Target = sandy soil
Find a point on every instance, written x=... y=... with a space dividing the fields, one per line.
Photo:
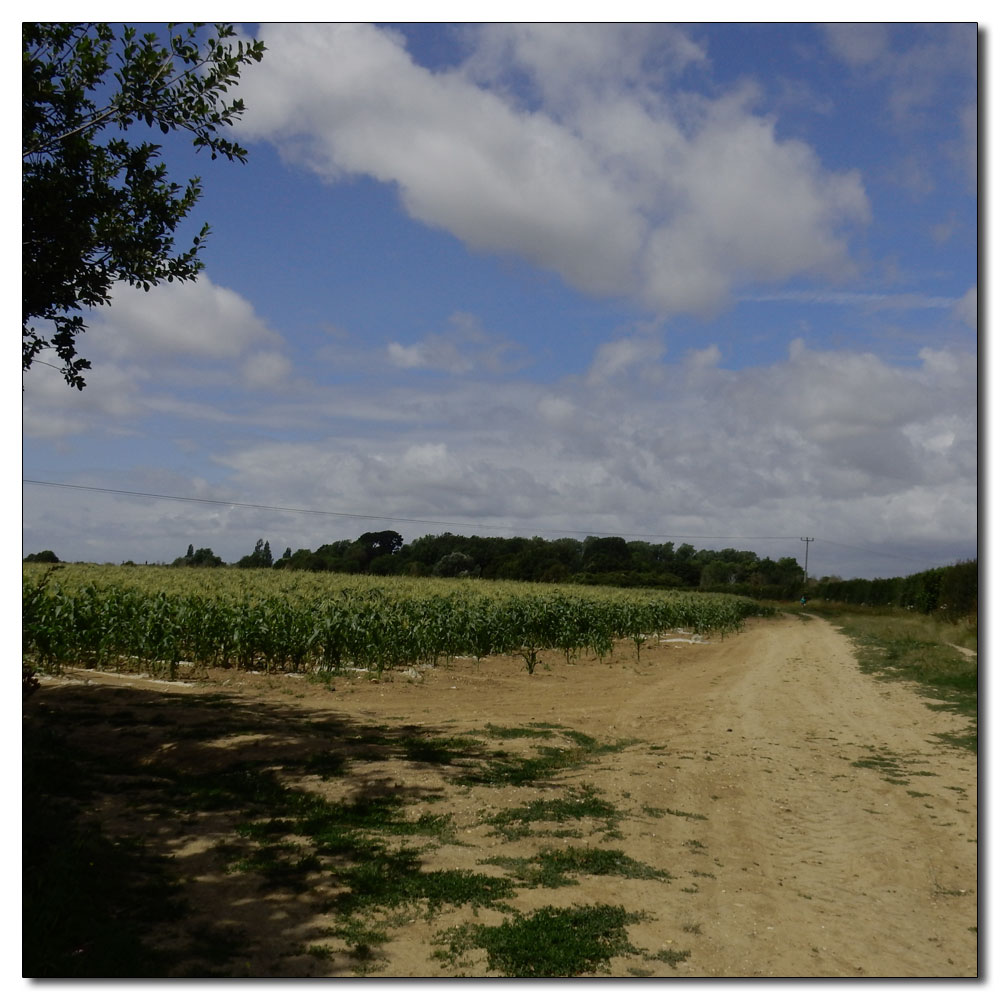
x=754 y=780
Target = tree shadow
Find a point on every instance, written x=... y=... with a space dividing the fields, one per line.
x=170 y=834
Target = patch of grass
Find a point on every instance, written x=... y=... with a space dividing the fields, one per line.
x=323 y=951
x=280 y=864
x=548 y=868
x=914 y=647
x=671 y=956
x=887 y=764
x=393 y=879
x=346 y=828
x=550 y=942
x=502 y=768
x=579 y=804
x=324 y=678
x=438 y=749
x=534 y=729
x=684 y=815
x=363 y=938
x=893 y=767
x=326 y=764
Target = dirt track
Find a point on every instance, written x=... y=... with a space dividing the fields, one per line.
x=813 y=824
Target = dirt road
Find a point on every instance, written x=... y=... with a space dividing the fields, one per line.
x=828 y=868
x=811 y=822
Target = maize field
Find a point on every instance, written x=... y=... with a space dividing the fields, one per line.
x=157 y=619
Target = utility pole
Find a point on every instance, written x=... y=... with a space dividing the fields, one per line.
x=805 y=575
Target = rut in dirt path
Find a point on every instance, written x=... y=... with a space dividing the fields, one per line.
x=843 y=830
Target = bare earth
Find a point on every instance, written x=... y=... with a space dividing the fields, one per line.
x=790 y=856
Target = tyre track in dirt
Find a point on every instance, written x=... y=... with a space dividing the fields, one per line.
x=823 y=867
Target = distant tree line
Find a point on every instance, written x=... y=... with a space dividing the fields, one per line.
x=950 y=591
x=595 y=560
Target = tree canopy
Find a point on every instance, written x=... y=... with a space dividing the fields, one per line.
x=97 y=208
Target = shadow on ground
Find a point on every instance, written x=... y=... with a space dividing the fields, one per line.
x=172 y=834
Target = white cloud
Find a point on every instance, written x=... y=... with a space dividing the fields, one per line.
x=916 y=68
x=266 y=370
x=414 y=356
x=967 y=309
x=146 y=346
x=603 y=174
x=823 y=443
x=618 y=356
x=968 y=145
x=859 y=44
x=557 y=411
x=462 y=348
x=196 y=319
x=867 y=300
x=707 y=357
x=835 y=444
x=563 y=62
x=112 y=400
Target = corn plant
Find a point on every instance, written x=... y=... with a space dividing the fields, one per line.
x=258 y=619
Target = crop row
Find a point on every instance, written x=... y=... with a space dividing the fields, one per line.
x=108 y=625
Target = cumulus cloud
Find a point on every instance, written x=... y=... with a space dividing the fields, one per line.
x=561 y=64
x=191 y=319
x=860 y=44
x=598 y=168
x=266 y=370
x=823 y=442
x=967 y=309
x=618 y=356
x=835 y=444
x=706 y=357
x=176 y=336
x=462 y=348
x=916 y=62
x=112 y=399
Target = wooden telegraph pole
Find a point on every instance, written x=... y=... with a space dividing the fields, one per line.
x=805 y=580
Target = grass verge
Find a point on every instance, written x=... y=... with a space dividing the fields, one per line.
x=906 y=646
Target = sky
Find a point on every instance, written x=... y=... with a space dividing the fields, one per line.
x=709 y=283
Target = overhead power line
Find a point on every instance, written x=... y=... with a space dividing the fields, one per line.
x=386 y=517
x=460 y=524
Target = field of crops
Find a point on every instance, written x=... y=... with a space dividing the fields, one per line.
x=157 y=618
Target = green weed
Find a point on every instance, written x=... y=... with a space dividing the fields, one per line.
x=515 y=823
x=549 y=867
x=503 y=768
x=551 y=942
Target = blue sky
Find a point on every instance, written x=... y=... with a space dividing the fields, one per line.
x=705 y=282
